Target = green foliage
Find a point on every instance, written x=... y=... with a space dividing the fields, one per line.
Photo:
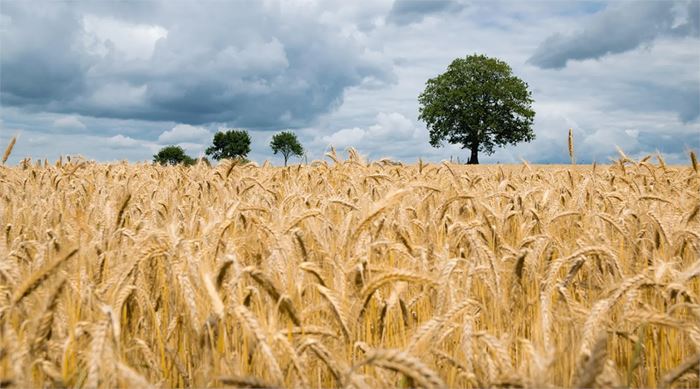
x=234 y=144
x=477 y=103
x=173 y=155
x=287 y=144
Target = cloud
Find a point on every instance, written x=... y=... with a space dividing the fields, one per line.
x=121 y=141
x=392 y=135
x=346 y=137
x=644 y=95
x=40 y=63
x=251 y=66
x=389 y=127
x=185 y=133
x=104 y=97
x=597 y=133
x=69 y=122
x=194 y=139
x=193 y=149
x=619 y=28
x=102 y=35
x=405 y=12
x=341 y=73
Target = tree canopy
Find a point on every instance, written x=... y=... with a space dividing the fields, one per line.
x=234 y=144
x=287 y=144
x=479 y=104
x=172 y=155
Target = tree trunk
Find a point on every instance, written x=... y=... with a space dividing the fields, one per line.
x=285 y=159
x=474 y=159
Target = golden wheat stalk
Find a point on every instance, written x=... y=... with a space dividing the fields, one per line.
x=38 y=277
x=338 y=307
x=464 y=277
x=571 y=146
x=44 y=329
x=256 y=330
x=8 y=150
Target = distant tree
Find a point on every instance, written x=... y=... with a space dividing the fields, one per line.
x=173 y=155
x=234 y=144
x=287 y=144
x=477 y=103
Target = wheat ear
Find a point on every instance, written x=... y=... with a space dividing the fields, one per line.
x=392 y=276
x=254 y=328
x=571 y=146
x=8 y=150
x=285 y=303
x=43 y=332
x=97 y=346
x=244 y=382
x=37 y=278
x=687 y=365
x=590 y=366
x=338 y=308
x=405 y=364
x=134 y=379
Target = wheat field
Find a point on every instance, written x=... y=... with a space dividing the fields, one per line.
x=349 y=274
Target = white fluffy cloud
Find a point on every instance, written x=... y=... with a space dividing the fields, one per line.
x=185 y=133
x=121 y=141
x=389 y=127
x=104 y=35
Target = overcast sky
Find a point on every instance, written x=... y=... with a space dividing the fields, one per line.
x=118 y=80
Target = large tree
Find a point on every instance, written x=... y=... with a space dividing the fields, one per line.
x=286 y=142
x=477 y=103
x=173 y=155
x=234 y=144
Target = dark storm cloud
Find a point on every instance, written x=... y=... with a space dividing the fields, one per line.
x=39 y=62
x=413 y=11
x=617 y=29
x=248 y=66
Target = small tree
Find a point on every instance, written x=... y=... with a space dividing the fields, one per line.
x=230 y=144
x=286 y=142
x=172 y=155
x=479 y=104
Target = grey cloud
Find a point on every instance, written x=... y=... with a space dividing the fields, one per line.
x=669 y=143
x=247 y=66
x=691 y=20
x=617 y=29
x=39 y=62
x=405 y=12
x=648 y=96
x=237 y=66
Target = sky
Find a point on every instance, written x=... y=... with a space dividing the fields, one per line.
x=113 y=81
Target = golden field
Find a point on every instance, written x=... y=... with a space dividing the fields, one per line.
x=349 y=274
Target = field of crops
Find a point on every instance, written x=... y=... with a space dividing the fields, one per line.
x=349 y=274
